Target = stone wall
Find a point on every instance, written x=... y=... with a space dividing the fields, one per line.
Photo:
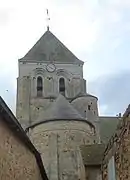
x=119 y=147
x=58 y=142
x=72 y=73
x=28 y=104
x=23 y=100
x=87 y=106
x=27 y=68
x=16 y=160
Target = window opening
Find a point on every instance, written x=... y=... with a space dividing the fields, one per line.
x=39 y=86
x=62 y=86
x=89 y=107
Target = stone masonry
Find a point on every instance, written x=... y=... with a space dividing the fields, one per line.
x=58 y=140
x=16 y=161
x=50 y=51
x=119 y=147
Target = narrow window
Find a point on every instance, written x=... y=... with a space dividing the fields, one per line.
x=85 y=113
x=62 y=86
x=89 y=107
x=39 y=86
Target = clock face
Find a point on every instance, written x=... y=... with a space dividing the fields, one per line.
x=50 y=67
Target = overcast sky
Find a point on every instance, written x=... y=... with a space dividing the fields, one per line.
x=96 y=31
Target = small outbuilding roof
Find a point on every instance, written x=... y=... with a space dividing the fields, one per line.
x=108 y=125
x=92 y=154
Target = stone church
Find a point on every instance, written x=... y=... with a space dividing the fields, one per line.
x=58 y=114
x=58 y=133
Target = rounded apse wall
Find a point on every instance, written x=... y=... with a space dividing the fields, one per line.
x=86 y=106
x=59 y=144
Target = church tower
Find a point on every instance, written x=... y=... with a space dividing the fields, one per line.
x=47 y=70
x=54 y=107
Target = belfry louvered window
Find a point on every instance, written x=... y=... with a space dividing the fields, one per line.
x=62 y=86
x=39 y=86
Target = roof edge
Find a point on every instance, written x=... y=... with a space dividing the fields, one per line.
x=40 y=61
x=127 y=112
x=117 y=117
x=52 y=120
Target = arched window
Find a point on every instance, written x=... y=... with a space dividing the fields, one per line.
x=39 y=86
x=62 y=86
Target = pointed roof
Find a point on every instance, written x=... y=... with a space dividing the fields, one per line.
x=49 y=48
x=61 y=109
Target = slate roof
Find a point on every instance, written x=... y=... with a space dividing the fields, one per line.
x=108 y=127
x=16 y=128
x=92 y=154
x=49 y=48
x=61 y=109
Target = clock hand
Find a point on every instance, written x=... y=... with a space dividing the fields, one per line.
x=51 y=67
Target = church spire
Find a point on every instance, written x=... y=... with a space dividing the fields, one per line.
x=48 y=19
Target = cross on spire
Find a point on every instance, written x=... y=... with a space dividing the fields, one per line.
x=48 y=19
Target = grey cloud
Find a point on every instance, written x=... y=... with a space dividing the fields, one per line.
x=113 y=92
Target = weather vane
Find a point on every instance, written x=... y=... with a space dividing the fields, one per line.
x=48 y=19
